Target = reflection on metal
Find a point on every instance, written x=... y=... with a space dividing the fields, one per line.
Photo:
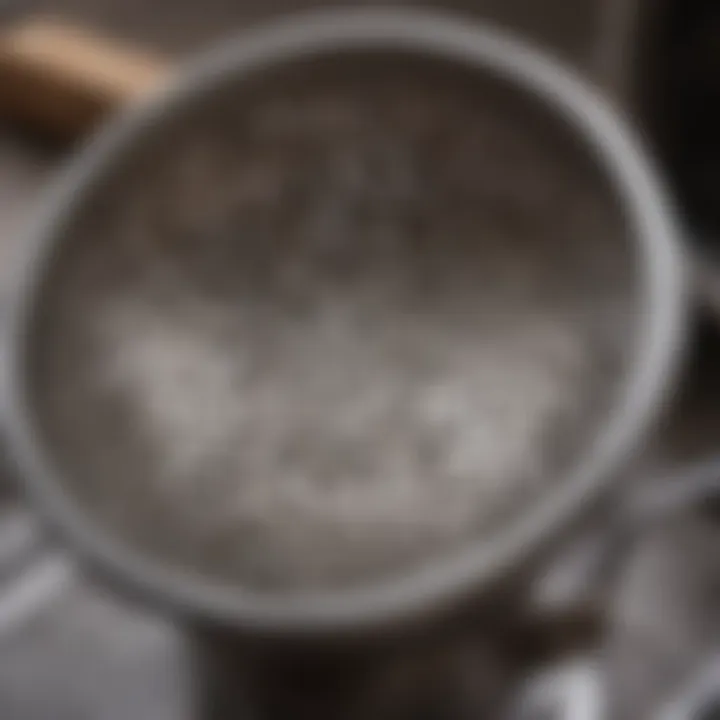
x=34 y=589
x=31 y=575
x=700 y=700
x=570 y=691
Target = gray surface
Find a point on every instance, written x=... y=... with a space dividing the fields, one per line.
x=80 y=657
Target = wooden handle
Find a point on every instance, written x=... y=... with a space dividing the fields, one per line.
x=64 y=79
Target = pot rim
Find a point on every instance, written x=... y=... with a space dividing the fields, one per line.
x=442 y=583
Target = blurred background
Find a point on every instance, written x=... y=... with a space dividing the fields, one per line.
x=69 y=652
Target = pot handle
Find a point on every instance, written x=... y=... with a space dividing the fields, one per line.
x=64 y=79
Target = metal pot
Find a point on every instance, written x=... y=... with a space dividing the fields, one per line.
x=480 y=571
